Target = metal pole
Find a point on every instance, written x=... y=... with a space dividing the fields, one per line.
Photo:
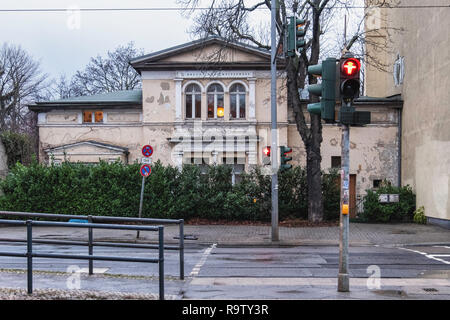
x=141 y=201
x=274 y=131
x=90 y=248
x=161 y=263
x=343 y=277
x=29 y=257
x=181 y=249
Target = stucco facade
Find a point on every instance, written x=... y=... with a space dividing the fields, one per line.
x=418 y=60
x=194 y=109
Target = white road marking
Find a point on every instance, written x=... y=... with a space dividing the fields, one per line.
x=429 y=256
x=202 y=261
x=95 y=270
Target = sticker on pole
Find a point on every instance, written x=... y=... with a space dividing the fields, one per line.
x=345 y=209
x=146 y=170
x=147 y=150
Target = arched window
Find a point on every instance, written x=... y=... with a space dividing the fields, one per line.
x=215 y=101
x=237 y=101
x=193 y=101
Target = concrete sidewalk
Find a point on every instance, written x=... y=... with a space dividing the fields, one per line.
x=122 y=287
x=235 y=235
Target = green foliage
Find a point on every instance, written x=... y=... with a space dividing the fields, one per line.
x=194 y=192
x=18 y=147
x=419 y=216
x=293 y=193
x=331 y=194
x=374 y=211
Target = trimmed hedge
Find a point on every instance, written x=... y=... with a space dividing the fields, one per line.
x=114 y=190
x=402 y=211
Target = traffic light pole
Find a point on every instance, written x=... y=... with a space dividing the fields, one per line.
x=274 y=147
x=343 y=277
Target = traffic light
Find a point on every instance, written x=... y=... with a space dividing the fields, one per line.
x=266 y=151
x=266 y=155
x=296 y=33
x=284 y=159
x=326 y=90
x=349 y=79
x=349 y=84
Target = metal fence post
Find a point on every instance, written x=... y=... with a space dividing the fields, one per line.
x=90 y=249
x=182 y=249
x=161 y=262
x=29 y=256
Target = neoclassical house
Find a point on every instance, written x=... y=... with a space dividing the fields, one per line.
x=208 y=102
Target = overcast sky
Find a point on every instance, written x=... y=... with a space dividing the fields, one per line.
x=64 y=41
x=64 y=46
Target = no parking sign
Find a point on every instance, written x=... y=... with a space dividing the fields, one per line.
x=145 y=170
x=147 y=150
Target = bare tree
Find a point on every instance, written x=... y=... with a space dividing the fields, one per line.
x=21 y=82
x=63 y=88
x=103 y=75
x=230 y=19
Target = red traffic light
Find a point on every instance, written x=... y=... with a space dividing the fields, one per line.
x=350 y=67
x=266 y=151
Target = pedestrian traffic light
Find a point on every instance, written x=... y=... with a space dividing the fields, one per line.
x=296 y=33
x=349 y=77
x=266 y=151
x=284 y=159
x=326 y=90
x=266 y=155
x=349 y=84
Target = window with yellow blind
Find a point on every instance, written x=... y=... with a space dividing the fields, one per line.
x=92 y=116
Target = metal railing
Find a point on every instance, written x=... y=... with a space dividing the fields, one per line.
x=91 y=243
x=29 y=254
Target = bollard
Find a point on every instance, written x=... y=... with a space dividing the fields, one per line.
x=161 y=262
x=29 y=256
x=90 y=249
x=181 y=249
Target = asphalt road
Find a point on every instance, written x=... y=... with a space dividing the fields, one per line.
x=243 y=270
x=322 y=262
x=303 y=261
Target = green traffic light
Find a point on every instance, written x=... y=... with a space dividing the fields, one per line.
x=315 y=89
x=315 y=70
x=284 y=158
x=326 y=89
x=314 y=108
x=295 y=34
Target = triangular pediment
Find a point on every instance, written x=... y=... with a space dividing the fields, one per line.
x=209 y=51
x=87 y=148
x=215 y=53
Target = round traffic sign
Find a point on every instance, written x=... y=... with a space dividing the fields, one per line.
x=147 y=150
x=145 y=170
